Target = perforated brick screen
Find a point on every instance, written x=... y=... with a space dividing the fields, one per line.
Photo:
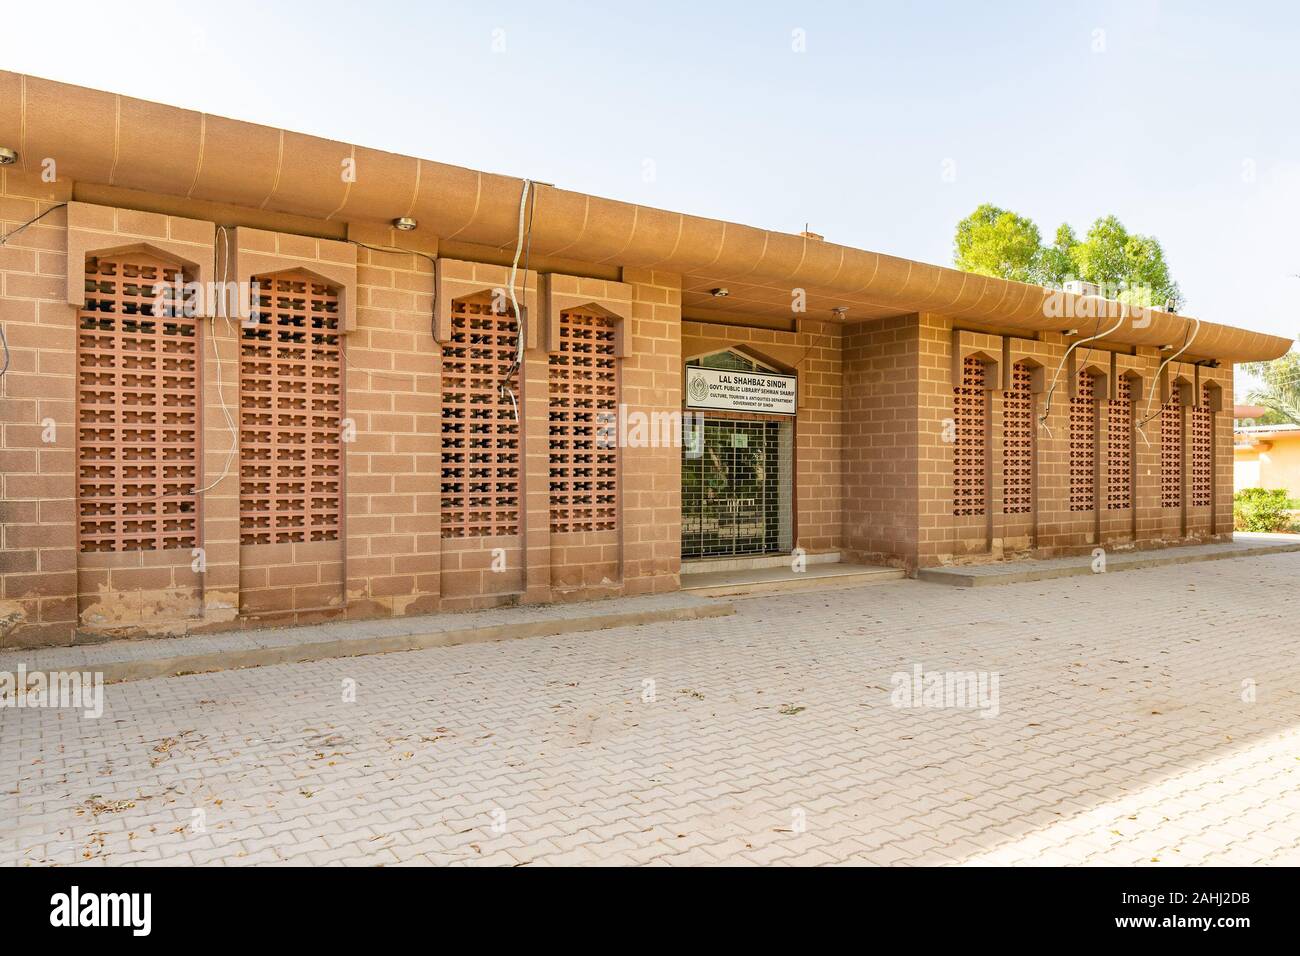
x=1018 y=442
x=1202 y=429
x=1083 y=445
x=1171 y=455
x=137 y=412
x=1119 y=447
x=291 y=408
x=583 y=425
x=480 y=436
x=970 y=445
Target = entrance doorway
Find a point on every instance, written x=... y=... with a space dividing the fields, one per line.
x=737 y=487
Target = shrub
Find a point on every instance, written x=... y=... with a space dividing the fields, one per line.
x=1259 y=509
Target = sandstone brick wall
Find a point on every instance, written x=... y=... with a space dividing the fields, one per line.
x=1057 y=524
x=881 y=389
x=391 y=557
x=874 y=438
x=392 y=392
x=38 y=531
x=651 y=382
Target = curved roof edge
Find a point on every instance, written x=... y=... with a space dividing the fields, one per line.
x=114 y=140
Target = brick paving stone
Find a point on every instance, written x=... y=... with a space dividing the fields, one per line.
x=1121 y=738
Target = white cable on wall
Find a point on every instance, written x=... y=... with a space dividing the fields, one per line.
x=514 y=302
x=216 y=351
x=1047 y=406
x=1195 y=328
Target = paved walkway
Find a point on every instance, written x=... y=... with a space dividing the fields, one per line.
x=1144 y=718
x=226 y=650
x=1019 y=570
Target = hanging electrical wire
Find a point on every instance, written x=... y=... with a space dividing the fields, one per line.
x=1189 y=336
x=223 y=274
x=392 y=376
x=224 y=311
x=523 y=240
x=30 y=222
x=1047 y=405
x=433 y=262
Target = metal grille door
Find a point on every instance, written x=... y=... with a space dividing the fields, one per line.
x=737 y=492
x=137 y=412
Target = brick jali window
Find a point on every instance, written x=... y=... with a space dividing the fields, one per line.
x=291 y=408
x=1171 y=454
x=1083 y=444
x=480 y=435
x=1202 y=433
x=969 y=444
x=137 y=411
x=583 y=422
x=1119 y=447
x=1018 y=442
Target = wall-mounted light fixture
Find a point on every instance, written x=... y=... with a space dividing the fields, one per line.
x=719 y=293
x=405 y=223
x=7 y=156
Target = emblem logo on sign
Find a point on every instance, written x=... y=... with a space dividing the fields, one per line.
x=699 y=388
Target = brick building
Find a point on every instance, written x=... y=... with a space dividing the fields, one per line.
x=331 y=415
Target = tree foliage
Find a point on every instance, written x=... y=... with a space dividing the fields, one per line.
x=994 y=242
x=998 y=242
x=1279 y=390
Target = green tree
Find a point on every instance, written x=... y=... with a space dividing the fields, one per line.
x=1132 y=265
x=1058 y=259
x=995 y=242
x=1279 y=390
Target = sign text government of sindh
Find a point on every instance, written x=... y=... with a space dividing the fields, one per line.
x=764 y=392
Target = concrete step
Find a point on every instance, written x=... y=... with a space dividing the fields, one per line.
x=203 y=653
x=747 y=562
x=758 y=581
x=1020 y=571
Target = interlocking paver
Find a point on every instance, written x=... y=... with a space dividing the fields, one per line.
x=1123 y=736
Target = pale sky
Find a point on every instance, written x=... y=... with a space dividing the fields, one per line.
x=1178 y=117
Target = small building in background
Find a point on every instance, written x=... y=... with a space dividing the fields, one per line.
x=1267 y=456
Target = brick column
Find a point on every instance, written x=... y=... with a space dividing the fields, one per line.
x=392 y=383
x=651 y=477
x=1146 y=449
x=38 y=531
x=1223 y=454
x=1054 y=530
x=536 y=499
x=935 y=454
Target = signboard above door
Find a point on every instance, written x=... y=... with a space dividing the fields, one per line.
x=764 y=393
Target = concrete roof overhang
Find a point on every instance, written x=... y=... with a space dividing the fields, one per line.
x=111 y=140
